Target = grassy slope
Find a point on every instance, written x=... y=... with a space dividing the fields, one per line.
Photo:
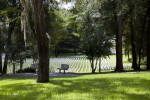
x=129 y=86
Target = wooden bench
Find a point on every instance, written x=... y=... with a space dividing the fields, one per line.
x=63 y=67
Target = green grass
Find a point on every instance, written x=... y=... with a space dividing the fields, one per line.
x=125 y=86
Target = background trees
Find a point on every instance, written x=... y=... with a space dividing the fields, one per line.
x=89 y=26
x=9 y=15
x=148 y=37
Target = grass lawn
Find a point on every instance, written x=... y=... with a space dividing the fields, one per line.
x=126 y=86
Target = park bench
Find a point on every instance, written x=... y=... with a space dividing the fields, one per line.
x=63 y=67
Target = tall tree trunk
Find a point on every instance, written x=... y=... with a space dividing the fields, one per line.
x=43 y=42
x=11 y=28
x=75 y=50
x=21 y=64
x=119 y=63
x=99 y=64
x=56 y=53
x=14 y=69
x=141 y=40
x=148 y=38
x=92 y=65
x=128 y=55
x=134 y=56
x=0 y=57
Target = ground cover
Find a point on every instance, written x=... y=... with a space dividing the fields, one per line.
x=116 y=86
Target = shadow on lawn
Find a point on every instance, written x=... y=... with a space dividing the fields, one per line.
x=96 y=88
x=102 y=88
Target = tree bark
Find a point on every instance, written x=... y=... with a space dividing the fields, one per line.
x=0 y=57
x=56 y=53
x=92 y=65
x=148 y=38
x=141 y=40
x=11 y=28
x=119 y=63
x=99 y=64
x=21 y=64
x=134 y=56
x=14 y=69
x=43 y=42
x=128 y=55
x=75 y=50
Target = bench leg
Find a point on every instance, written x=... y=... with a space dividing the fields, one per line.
x=59 y=70
x=64 y=71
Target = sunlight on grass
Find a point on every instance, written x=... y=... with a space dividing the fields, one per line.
x=103 y=86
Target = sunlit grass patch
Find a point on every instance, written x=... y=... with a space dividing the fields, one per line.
x=117 y=86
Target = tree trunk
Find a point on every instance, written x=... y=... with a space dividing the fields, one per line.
x=99 y=64
x=134 y=56
x=128 y=55
x=148 y=38
x=141 y=40
x=21 y=64
x=56 y=53
x=119 y=63
x=92 y=65
x=14 y=67
x=43 y=42
x=75 y=51
x=0 y=57
x=11 y=28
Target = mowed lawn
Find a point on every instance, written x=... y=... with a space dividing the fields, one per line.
x=117 y=86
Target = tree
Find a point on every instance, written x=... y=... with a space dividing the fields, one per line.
x=10 y=11
x=0 y=52
x=119 y=63
x=112 y=12
x=134 y=56
x=95 y=40
x=11 y=28
x=55 y=25
x=135 y=16
x=41 y=36
x=43 y=41
x=148 y=38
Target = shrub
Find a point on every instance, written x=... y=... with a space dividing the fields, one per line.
x=26 y=70
x=52 y=69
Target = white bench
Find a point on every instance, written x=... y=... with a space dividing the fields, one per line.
x=63 y=67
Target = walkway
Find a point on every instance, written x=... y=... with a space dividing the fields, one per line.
x=35 y=75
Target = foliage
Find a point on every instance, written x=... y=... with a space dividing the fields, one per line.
x=95 y=39
x=55 y=24
x=27 y=70
x=96 y=42
x=16 y=52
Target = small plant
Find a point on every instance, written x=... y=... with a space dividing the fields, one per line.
x=51 y=69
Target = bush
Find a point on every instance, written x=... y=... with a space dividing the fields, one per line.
x=26 y=70
x=52 y=69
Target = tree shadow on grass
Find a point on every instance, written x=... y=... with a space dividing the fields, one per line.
x=79 y=88
x=131 y=88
